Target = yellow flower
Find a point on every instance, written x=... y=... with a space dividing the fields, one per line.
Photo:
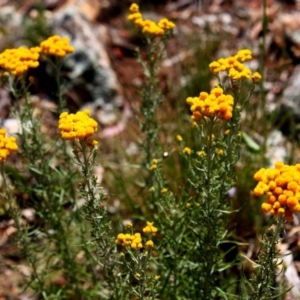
x=150 y=229
x=214 y=67
x=79 y=125
x=179 y=138
x=124 y=239
x=234 y=67
x=165 y=24
x=244 y=54
x=215 y=104
x=149 y=244
x=19 y=60
x=57 y=46
x=282 y=186
x=135 y=16
x=136 y=241
x=201 y=153
x=7 y=145
x=134 y=8
x=152 y=189
x=256 y=77
x=153 y=167
x=220 y=152
x=149 y=27
x=128 y=224
x=187 y=150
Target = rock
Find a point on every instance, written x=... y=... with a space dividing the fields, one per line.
x=10 y=25
x=288 y=118
x=276 y=147
x=89 y=72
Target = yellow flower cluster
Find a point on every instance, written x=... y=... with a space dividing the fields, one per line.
x=135 y=240
x=187 y=150
x=57 y=46
x=154 y=164
x=79 y=125
x=150 y=229
x=210 y=105
x=7 y=145
x=234 y=66
x=149 y=26
x=132 y=240
x=282 y=186
x=19 y=60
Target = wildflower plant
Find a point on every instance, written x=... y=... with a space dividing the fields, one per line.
x=182 y=253
x=194 y=222
x=156 y=35
x=135 y=261
x=50 y=191
x=281 y=187
x=79 y=129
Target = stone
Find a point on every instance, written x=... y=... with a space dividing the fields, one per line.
x=88 y=70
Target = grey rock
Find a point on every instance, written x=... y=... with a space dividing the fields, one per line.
x=288 y=118
x=276 y=147
x=88 y=68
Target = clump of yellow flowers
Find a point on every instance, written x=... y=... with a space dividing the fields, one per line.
x=282 y=186
x=149 y=26
x=150 y=229
x=210 y=105
x=19 y=60
x=135 y=240
x=57 y=46
x=78 y=126
x=217 y=104
x=7 y=145
x=234 y=66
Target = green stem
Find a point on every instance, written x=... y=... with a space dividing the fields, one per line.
x=264 y=283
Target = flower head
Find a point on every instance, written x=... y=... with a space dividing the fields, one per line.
x=149 y=244
x=19 y=60
x=134 y=8
x=7 y=145
x=282 y=186
x=124 y=239
x=78 y=126
x=215 y=104
x=128 y=223
x=256 y=77
x=149 y=27
x=179 y=138
x=132 y=240
x=187 y=150
x=136 y=241
x=150 y=229
x=234 y=66
x=57 y=46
